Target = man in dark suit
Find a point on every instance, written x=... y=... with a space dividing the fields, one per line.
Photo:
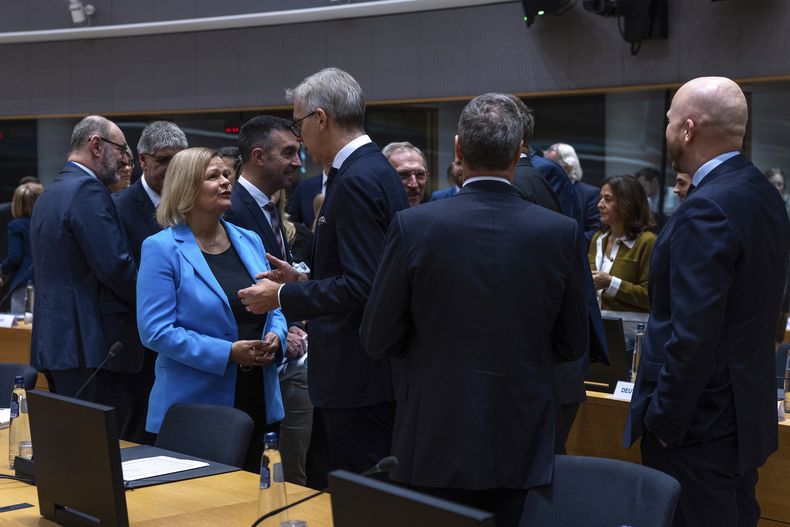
x=85 y=274
x=363 y=193
x=476 y=413
x=136 y=206
x=270 y=158
x=570 y=375
x=560 y=183
x=705 y=398
x=454 y=177
x=300 y=208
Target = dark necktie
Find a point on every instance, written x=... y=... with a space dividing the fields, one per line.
x=330 y=177
x=274 y=214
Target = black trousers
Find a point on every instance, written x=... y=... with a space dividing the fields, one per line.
x=249 y=399
x=564 y=424
x=358 y=438
x=714 y=491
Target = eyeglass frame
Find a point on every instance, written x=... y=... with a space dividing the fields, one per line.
x=413 y=173
x=122 y=147
x=296 y=127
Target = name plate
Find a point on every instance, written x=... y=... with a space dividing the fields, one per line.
x=6 y=321
x=623 y=391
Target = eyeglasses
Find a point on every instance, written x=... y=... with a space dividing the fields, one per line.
x=419 y=175
x=296 y=126
x=119 y=146
x=162 y=160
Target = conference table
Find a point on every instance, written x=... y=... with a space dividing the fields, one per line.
x=229 y=499
x=598 y=431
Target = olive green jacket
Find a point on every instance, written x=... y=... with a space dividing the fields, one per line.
x=631 y=266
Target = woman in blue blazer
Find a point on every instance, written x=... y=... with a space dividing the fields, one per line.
x=19 y=261
x=210 y=349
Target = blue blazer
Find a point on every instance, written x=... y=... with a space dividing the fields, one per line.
x=589 y=196
x=444 y=193
x=561 y=184
x=360 y=203
x=19 y=260
x=183 y=315
x=85 y=276
x=300 y=208
x=715 y=286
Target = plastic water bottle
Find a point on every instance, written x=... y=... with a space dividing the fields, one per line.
x=271 y=490
x=637 y=356
x=19 y=443
x=29 y=297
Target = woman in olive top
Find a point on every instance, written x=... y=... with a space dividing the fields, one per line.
x=620 y=253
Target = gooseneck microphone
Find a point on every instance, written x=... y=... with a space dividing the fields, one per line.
x=115 y=349
x=384 y=465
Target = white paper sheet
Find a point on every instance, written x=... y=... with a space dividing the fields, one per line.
x=149 y=467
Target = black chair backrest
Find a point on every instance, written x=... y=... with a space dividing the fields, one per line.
x=216 y=433
x=593 y=492
x=8 y=371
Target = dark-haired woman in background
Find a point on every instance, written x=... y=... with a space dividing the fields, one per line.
x=620 y=253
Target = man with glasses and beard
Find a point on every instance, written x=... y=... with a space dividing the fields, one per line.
x=136 y=206
x=85 y=275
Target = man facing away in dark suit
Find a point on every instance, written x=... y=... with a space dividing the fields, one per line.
x=569 y=374
x=705 y=397
x=136 y=206
x=270 y=158
x=85 y=274
x=363 y=193
x=477 y=406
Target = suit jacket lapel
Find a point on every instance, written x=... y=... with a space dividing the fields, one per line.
x=188 y=246
x=269 y=241
x=145 y=207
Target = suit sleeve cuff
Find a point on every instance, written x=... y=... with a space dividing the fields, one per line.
x=614 y=287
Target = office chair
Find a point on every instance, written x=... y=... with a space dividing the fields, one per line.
x=10 y=370
x=593 y=492
x=216 y=433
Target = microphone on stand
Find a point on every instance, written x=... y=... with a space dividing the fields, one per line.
x=115 y=349
x=384 y=465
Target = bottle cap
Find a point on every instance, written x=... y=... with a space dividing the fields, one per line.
x=271 y=439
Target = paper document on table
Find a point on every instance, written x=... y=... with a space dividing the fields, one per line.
x=5 y=417
x=149 y=467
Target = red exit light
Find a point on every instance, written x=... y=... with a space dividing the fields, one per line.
x=228 y=130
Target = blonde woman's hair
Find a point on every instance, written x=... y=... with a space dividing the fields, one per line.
x=183 y=179
x=25 y=197
x=288 y=225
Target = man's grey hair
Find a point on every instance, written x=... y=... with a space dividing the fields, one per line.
x=568 y=159
x=337 y=93
x=87 y=128
x=391 y=148
x=159 y=135
x=526 y=117
x=490 y=132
